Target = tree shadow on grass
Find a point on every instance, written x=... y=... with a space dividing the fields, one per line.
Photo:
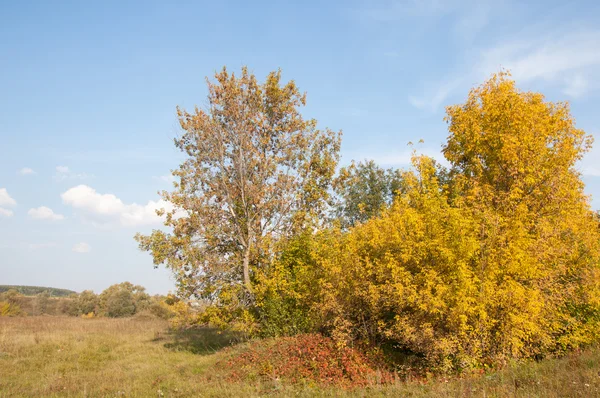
x=202 y=341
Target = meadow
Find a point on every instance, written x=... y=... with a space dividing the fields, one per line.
x=142 y=357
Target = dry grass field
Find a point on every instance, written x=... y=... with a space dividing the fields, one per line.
x=75 y=357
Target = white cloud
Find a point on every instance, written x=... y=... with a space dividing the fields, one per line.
x=5 y=199
x=64 y=173
x=81 y=248
x=5 y=212
x=109 y=207
x=563 y=59
x=86 y=198
x=44 y=213
x=26 y=171
x=570 y=62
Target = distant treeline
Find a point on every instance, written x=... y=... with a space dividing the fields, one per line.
x=119 y=300
x=35 y=290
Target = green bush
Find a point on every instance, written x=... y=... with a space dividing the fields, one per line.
x=123 y=299
x=87 y=303
x=288 y=289
x=120 y=304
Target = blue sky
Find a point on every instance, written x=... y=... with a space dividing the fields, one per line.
x=89 y=90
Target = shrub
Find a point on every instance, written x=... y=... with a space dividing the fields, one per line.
x=119 y=304
x=123 y=299
x=498 y=261
x=287 y=290
x=160 y=309
x=9 y=309
x=307 y=358
x=68 y=306
x=87 y=302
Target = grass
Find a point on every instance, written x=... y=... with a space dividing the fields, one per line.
x=62 y=356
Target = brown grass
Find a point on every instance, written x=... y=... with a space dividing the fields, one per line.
x=62 y=356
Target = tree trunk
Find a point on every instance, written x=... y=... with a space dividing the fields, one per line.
x=247 y=283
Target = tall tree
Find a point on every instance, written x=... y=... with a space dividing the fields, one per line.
x=255 y=172
x=513 y=159
x=363 y=190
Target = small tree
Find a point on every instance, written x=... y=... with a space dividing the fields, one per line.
x=87 y=302
x=41 y=303
x=256 y=171
x=123 y=299
x=119 y=304
x=68 y=305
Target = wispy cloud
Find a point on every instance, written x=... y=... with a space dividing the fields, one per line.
x=65 y=173
x=6 y=201
x=5 y=212
x=469 y=16
x=564 y=60
x=166 y=178
x=26 y=171
x=576 y=86
x=473 y=19
x=432 y=100
x=81 y=247
x=44 y=213
x=569 y=62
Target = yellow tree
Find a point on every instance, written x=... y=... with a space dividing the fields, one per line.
x=255 y=172
x=513 y=158
x=497 y=258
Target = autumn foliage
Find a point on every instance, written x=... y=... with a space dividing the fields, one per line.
x=492 y=259
x=307 y=357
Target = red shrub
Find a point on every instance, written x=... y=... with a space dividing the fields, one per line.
x=307 y=358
